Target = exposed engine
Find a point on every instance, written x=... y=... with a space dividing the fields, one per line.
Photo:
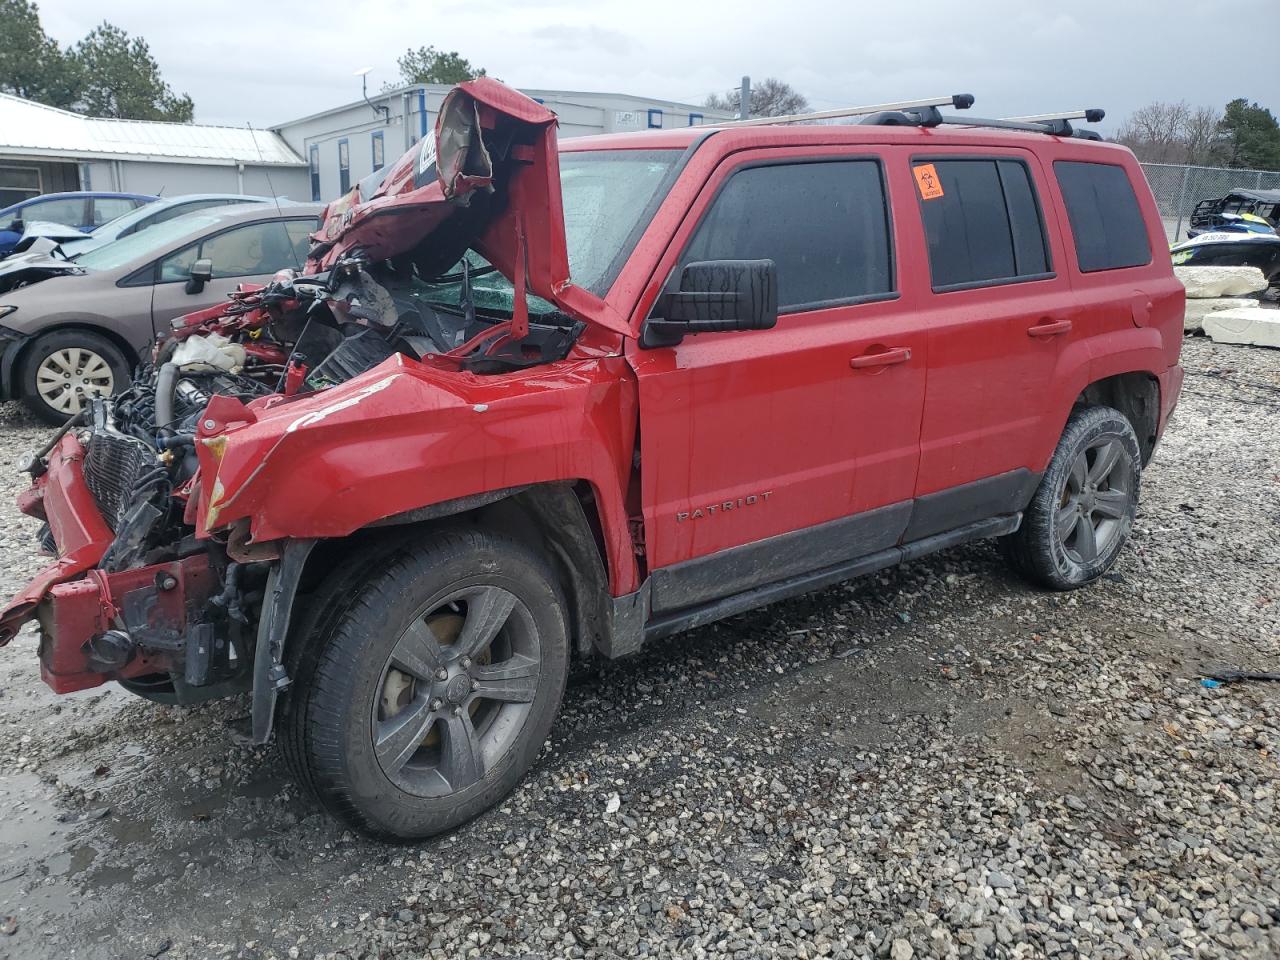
x=296 y=335
x=443 y=258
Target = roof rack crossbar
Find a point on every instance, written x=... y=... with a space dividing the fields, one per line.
x=1088 y=115
x=960 y=101
x=1056 y=127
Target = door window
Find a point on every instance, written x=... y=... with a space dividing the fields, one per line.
x=108 y=208
x=300 y=232
x=247 y=251
x=825 y=225
x=982 y=222
x=1106 y=222
x=68 y=211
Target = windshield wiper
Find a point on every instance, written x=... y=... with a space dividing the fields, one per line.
x=465 y=298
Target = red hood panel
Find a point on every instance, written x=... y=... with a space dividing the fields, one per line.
x=487 y=176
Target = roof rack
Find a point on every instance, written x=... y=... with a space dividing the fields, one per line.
x=1054 y=124
x=925 y=113
x=961 y=101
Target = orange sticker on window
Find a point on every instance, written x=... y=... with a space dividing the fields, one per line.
x=928 y=181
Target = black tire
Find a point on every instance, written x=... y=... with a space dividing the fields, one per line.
x=104 y=370
x=1053 y=547
x=156 y=687
x=428 y=775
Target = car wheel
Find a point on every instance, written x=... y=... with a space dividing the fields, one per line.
x=1083 y=510
x=63 y=370
x=427 y=691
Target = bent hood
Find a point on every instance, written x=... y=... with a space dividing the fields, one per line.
x=487 y=177
x=24 y=269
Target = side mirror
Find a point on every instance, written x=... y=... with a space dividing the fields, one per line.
x=714 y=296
x=201 y=273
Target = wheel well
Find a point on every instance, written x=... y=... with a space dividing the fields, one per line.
x=558 y=519
x=1137 y=396
x=130 y=354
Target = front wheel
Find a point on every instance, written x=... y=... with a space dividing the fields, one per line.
x=65 y=369
x=1083 y=510
x=431 y=687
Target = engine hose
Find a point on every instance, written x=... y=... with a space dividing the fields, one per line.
x=166 y=384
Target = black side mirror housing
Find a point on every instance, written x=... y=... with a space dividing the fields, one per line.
x=714 y=296
x=201 y=273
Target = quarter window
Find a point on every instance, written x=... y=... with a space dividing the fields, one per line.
x=982 y=222
x=825 y=225
x=1106 y=222
x=108 y=208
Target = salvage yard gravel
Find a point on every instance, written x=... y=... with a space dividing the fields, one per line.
x=936 y=761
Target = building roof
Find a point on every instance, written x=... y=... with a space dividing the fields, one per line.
x=552 y=96
x=33 y=129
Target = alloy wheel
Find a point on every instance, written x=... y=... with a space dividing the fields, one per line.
x=456 y=691
x=1095 y=501
x=70 y=376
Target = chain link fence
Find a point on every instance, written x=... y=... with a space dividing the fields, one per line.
x=1178 y=189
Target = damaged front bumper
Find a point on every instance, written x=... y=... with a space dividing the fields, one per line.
x=97 y=626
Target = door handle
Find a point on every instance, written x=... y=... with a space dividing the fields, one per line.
x=1049 y=328
x=883 y=358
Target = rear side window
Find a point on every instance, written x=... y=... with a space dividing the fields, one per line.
x=982 y=221
x=1106 y=222
x=824 y=224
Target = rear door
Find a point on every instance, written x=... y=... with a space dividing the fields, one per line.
x=1001 y=322
x=249 y=253
x=806 y=433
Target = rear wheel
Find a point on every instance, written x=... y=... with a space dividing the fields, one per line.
x=1083 y=510
x=430 y=687
x=63 y=370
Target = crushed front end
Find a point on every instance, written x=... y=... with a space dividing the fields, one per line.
x=132 y=595
x=454 y=263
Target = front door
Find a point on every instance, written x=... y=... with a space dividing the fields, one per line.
x=246 y=254
x=807 y=433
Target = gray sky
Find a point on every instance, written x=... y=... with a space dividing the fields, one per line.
x=267 y=62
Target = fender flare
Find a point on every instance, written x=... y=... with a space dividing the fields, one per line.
x=269 y=676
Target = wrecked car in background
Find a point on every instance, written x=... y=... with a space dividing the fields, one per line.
x=393 y=493
x=72 y=328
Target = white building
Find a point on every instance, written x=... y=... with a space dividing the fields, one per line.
x=345 y=144
x=46 y=150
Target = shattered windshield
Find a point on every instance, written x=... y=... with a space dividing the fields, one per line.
x=491 y=292
x=607 y=195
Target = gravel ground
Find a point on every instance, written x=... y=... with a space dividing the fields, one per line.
x=938 y=760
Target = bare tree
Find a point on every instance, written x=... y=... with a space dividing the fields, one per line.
x=1204 y=137
x=1172 y=133
x=769 y=98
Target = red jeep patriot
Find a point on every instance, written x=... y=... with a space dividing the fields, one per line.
x=529 y=401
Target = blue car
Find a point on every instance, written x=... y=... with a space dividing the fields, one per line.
x=84 y=211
